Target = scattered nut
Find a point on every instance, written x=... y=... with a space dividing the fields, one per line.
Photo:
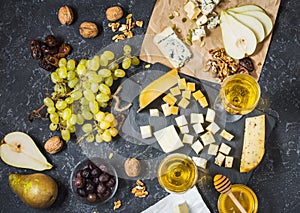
x=53 y=145
x=132 y=167
x=139 y=23
x=114 y=13
x=88 y=30
x=65 y=15
x=140 y=190
x=117 y=204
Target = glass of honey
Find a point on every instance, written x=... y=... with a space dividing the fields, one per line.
x=244 y=195
x=177 y=173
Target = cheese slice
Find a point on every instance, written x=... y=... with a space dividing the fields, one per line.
x=157 y=87
x=200 y=162
x=254 y=143
x=181 y=208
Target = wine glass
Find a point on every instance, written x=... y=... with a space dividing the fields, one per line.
x=239 y=95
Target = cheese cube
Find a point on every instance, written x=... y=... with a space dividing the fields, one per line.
x=197 y=146
x=210 y=115
x=197 y=95
x=186 y=94
x=181 y=120
x=191 y=86
x=170 y=99
x=182 y=83
x=154 y=112
x=207 y=138
x=197 y=118
x=184 y=129
x=228 y=161
x=200 y=162
x=146 y=131
x=174 y=110
x=183 y=103
x=181 y=208
x=213 y=127
x=225 y=149
x=168 y=139
x=219 y=159
x=175 y=91
x=187 y=138
x=226 y=135
x=213 y=149
x=198 y=128
x=166 y=109
x=203 y=102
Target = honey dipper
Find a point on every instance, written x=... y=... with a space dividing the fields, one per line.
x=223 y=185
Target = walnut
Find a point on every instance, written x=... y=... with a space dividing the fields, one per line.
x=114 y=13
x=132 y=167
x=53 y=145
x=65 y=15
x=88 y=30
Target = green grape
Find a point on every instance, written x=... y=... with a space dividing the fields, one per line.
x=87 y=128
x=92 y=76
x=51 y=109
x=109 y=81
x=113 y=131
x=109 y=55
x=59 y=88
x=94 y=107
x=55 y=78
x=109 y=117
x=115 y=78
x=127 y=49
x=76 y=95
x=106 y=136
x=53 y=95
x=97 y=79
x=71 y=64
x=104 y=73
x=94 y=64
x=82 y=61
x=87 y=115
x=85 y=107
x=71 y=128
x=104 y=124
x=73 y=119
x=94 y=87
x=88 y=94
x=126 y=63
x=81 y=70
x=103 y=104
x=72 y=83
x=80 y=119
x=61 y=104
x=119 y=73
x=67 y=113
x=104 y=89
x=98 y=138
x=69 y=100
x=48 y=102
x=62 y=72
x=53 y=127
x=65 y=134
x=90 y=138
x=71 y=75
x=99 y=116
x=103 y=60
x=135 y=61
x=54 y=118
x=101 y=97
x=62 y=62
x=84 y=101
x=113 y=66
x=86 y=85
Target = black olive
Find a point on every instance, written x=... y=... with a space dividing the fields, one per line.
x=51 y=41
x=247 y=63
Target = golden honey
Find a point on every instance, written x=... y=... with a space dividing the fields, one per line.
x=244 y=195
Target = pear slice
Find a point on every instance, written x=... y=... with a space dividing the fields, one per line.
x=248 y=7
x=19 y=150
x=252 y=23
x=239 y=41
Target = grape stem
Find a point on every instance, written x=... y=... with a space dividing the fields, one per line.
x=118 y=102
x=36 y=113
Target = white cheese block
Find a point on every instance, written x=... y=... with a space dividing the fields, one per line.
x=254 y=143
x=181 y=120
x=146 y=131
x=210 y=115
x=213 y=128
x=197 y=146
x=182 y=83
x=184 y=129
x=213 y=149
x=219 y=159
x=225 y=149
x=172 y=47
x=186 y=94
x=198 y=128
x=168 y=139
x=228 y=161
x=154 y=112
x=188 y=139
x=226 y=135
x=201 y=20
x=166 y=109
x=183 y=103
x=189 y=9
x=181 y=208
x=207 y=138
x=175 y=91
x=197 y=118
x=200 y=162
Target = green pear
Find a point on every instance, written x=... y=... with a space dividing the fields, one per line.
x=19 y=150
x=36 y=190
x=244 y=8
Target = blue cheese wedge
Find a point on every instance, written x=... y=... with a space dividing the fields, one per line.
x=172 y=47
x=200 y=162
x=198 y=33
x=168 y=139
x=197 y=146
x=254 y=143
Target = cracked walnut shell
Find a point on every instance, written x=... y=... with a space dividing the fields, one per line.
x=88 y=30
x=65 y=15
x=53 y=145
x=114 y=13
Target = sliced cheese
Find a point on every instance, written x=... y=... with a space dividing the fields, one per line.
x=146 y=131
x=254 y=143
x=213 y=128
x=207 y=138
x=174 y=110
x=213 y=149
x=175 y=91
x=226 y=135
x=181 y=208
x=198 y=128
x=197 y=146
x=168 y=139
x=183 y=103
x=186 y=94
x=184 y=129
x=191 y=86
x=210 y=115
x=170 y=99
x=188 y=139
x=181 y=120
x=203 y=102
x=219 y=159
x=200 y=162
x=182 y=83
x=225 y=149
x=228 y=161
x=197 y=95
x=154 y=112
x=197 y=118
x=166 y=109
x=157 y=87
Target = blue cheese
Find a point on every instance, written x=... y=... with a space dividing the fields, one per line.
x=172 y=47
x=207 y=8
x=201 y=20
x=213 y=22
x=228 y=161
x=198 y=33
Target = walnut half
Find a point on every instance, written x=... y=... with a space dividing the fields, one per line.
x=53 y=145
x=65 y=15
x=88 y=30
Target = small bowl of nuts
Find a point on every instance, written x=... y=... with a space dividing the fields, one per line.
x=94 y=181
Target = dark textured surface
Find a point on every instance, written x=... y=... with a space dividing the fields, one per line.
x=23 y=85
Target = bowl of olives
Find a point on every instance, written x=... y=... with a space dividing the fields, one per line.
x=94 y=181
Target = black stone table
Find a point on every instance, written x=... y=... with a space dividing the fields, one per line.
x=23 y=85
